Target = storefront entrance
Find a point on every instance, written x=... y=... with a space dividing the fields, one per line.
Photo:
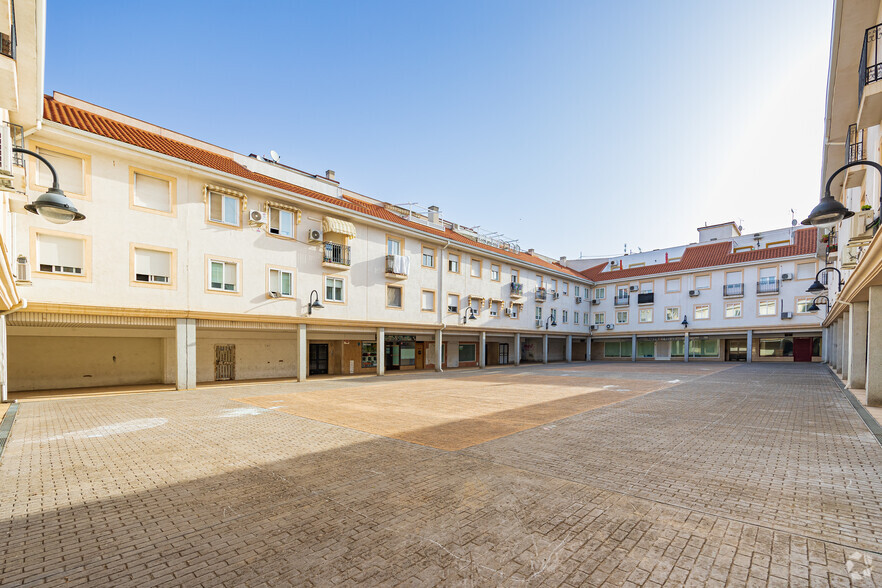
x=736 y=350
x=802 y=349
x=318 y=359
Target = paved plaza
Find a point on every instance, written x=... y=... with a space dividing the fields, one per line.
x=626 y=474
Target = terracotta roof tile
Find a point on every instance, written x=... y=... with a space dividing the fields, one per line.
x=710 y=255
x=91 y=122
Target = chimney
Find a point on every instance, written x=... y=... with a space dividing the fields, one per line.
x=330 y=174
x=563 y=261
x=434 y=215
x=531 y=251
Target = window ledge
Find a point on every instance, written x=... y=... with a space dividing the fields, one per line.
x=396 y=276
x=339 y=266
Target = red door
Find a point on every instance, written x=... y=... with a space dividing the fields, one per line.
x=802 y=349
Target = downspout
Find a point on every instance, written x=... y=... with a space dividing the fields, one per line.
x=441 y=285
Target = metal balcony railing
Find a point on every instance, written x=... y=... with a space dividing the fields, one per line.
x=854 y=145
x=336 y=253
x=768 y=286
x=8 y=42
x=733 y=289
x=622 y=299
x=390 y=266
x=870 y=69
x=517 y=289
x=646 y=298
x=541 y=294
x=832 y=243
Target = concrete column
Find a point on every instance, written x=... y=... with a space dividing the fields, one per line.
x=846 y=329
x=750 y=346
x=834 y=346
x=825 y=340
x=569 y=349
x=874 y=347
x=634 y=347
x=302 y=354
x=857 y=345
x=544 y=348
x=517 y=349
x=381 y=351
x=185 y=353
x=482 y=362
x=439 y=351
x=588 y=349
x=4 y=362
x=685 y=347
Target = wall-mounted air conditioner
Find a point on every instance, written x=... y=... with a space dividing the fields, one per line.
x=315 y=236
x=786 y=277
x=555 y=295
x=633 y=288
x=257 y=217
x=592 y=328
x=22 y=269
x=595 y=302
x=694 y=293
x=786 y=315
x=610 y=327
x=578 y=300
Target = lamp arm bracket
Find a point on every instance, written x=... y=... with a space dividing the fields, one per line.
x=46 y=162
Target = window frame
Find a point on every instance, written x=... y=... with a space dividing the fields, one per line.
x=602 y=316
x=86 y=240
x=240 y=209
x=644 y=311
x=34 y=167
x=269 y=221
x=434 y=300
x=423 y=258
x=281 y=269
x=225 y=260
x=710 y=281
x=796 y=302
x=172 y=192
x=695 y=316
x=627 y=317
x=765 y=302
x=490 y=308
x=497 y=271
x=173 y=266
x=737 y=304
x=651 y=290
x=458 y=303
x=672 y=320
x=814 y=271
x=602 y=295
x=450 y=260
x=480 y=262
x=563 y=316
x=679 y=282
x=395 y=239
x=343 y=288
x=400 y=288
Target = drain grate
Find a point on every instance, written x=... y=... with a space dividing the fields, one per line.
x=6 y=425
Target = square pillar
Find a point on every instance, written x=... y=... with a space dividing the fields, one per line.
x=685 y=347
x=569 y=349
x=588 y=349
x=185 y=354
x=381 y=351
x=4 y=362
x=834 y=346
x=750 y=346
x=439 y=351
x=482 y=362
x=634 y=347
x=846 y=330
x=857 y=345
x=517 y=349
x=545 y=349
x=874 y=347
x=825 y=339
x=302 y=354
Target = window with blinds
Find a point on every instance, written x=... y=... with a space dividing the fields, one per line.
x=224 y=276
x=223 y=209
x=71 y=171
x=60 y=255
x=153 y=193
x=281 y=222
x=281 y=282
x=152 y=266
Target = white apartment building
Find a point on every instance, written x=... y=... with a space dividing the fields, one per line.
x=854 y=246
x=729 y=297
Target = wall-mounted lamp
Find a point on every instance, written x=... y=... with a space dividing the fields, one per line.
x=469 y=315
x=814 y=306
x=54 y=206
x=314 y=304
x=553 y=321
x=817 y=286
x=685 y=323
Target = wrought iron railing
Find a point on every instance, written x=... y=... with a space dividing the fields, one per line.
x=541 y=294
x=8 y=42
x=733 y=289
x=16 y=133
x=517 y=289
x=336 y=253
x=768 y=286
x=622 y=299
x=854 y=150
x=870 y=69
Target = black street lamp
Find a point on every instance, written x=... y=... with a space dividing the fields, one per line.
x=553 y=321
x=469 y=315
x=817 y=286
x=685 y=323
x=314 y=304
x=54 y=206
x=814 y=306
x=830 y=211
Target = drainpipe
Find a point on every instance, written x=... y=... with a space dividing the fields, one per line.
x=439 y=348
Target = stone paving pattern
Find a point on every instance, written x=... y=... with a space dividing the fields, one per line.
x=759 y=475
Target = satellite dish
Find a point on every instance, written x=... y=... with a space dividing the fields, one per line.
x=793 y=223
x=274 y=155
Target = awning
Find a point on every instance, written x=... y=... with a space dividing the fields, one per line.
x=336 y=225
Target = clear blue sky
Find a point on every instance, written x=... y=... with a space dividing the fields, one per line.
x=574 y=126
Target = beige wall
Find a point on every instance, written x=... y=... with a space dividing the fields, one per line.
x=258 y=355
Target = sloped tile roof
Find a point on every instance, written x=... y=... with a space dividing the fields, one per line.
x=84 y=120
x=710 y=255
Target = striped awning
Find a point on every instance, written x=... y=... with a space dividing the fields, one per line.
x=336 y=225
x=10 y=299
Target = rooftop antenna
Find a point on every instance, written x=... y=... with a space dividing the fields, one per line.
x=740 y=227
x=274 y=156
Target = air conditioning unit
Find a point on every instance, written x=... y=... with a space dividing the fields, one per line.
x=786 y=315
x=6 y=158
x=633 y=288
x=610 y=327
x=786 y=277
x=507 y=312
x=592 y=328
x=22 y=269
x=315 y=236
x=274 y=294
x=555 y=296
x=538 y=323
x=595 y=302
x=694 y=293
x=257 y=217
x=578 y=300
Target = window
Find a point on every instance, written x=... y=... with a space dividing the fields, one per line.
x=152 y=192
x=672 y=285
x=61 y=255
x=467 y=352
x=733 y=310
x=152 y=266
x=646 y=287
x=453 y=263
x=494 y=272
x=538 y=313
x=645 y=315
x=805 y=271
x=452 y=303
x=475 y=268
x=577 y=291
x=393 y=296
x=733 y=278
x=702 y=282
x=645 y=348
x=494 y=308
x=802 y=305
x=553 y=315
x=563 y=316
x=514 y=311
x=704 y=348
x=617 y=349
x=282 y=282
x=224 y=276
x=622 y=317
x=223 y=209
x=539 y=281
x=428 y=257
x=672 y=313
x=599 y=293
x=575 y=318
x=393 y=246
x=622 y=291
x=768 y=276
x=515 y=276
x=701 y=312
x=71 y=171
x=334 y=289
x=778 y=347
x=554 y=285
x=475 y=304
x=281 y=222
x=745 y=248
x=767 y=307
x=774 y=244
x=566 y=288
x=428 y=300
x=599 y=318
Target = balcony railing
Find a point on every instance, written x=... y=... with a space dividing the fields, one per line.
x=517 y=289
x=646 y=298
x=336 y=253
x=832 y=243
x=870 y=69
x=733 y=289
x=854 y=150
x=397 y=265
x=770 y=286
x=622 y=299
x=541 y=294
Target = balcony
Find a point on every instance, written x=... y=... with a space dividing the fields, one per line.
x=622 y=299
x=854 y=151
x=646 y=298
x=768 y=286
x=336 y=255
x=397 y=266
x=517 y=289
x=733 y=290
x=541 y=294
x=869 y=72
